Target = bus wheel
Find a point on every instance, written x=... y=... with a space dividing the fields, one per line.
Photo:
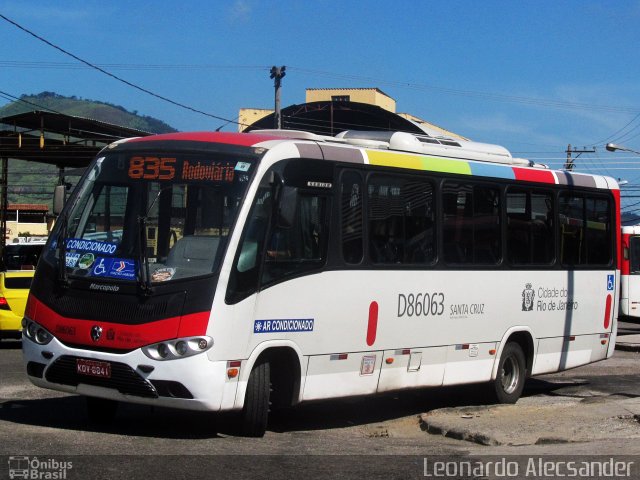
x=256 y=403
x=101 y=410
x=509 y=382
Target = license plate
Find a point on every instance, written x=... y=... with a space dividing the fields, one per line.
x=93 y=368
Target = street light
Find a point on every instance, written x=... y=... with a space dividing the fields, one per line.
x=612 y=147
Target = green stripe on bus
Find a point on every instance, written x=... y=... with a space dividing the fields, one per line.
x=416 y=162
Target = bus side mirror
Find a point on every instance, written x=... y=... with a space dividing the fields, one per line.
x=59 y=196
x=287 y=208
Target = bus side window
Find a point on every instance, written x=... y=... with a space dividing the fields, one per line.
x=471 y=224
x=598 y=231
x=571 y=211
x=351 y=217
x=585 y=225
x=400 y=216
x=530 y=233
x=302 y=246
x=244 y=274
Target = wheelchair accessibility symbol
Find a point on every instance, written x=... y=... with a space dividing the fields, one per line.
x=100 y=269
x=610 y=282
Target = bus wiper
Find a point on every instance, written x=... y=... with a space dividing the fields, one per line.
x=63 y=280
x=143 y=260
x=144 y=278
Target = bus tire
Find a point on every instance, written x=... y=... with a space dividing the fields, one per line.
x=255 y=412
x=512 y=371
x=101 y=410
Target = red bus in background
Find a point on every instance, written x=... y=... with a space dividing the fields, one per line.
x=630 y=272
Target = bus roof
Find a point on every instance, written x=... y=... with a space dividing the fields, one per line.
x=390 y=149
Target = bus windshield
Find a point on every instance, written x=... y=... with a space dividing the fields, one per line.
x=151 y=218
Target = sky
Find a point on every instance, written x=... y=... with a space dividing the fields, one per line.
x=532 y=76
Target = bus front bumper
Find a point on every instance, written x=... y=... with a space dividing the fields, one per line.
x=190 y=383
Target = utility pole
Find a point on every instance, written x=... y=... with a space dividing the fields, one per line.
x=569 y=163
x=4 y=176
x=277 y=73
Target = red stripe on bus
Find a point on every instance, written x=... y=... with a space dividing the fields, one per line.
x=117 y=335
x=532 y=175
x=242 y=139
x=624 y=267
x=193 y=324
x=372 y=325
x=607 y=312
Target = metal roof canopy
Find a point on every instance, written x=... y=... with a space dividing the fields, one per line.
x=53 y=139
x=58 y=139
x=330 y=118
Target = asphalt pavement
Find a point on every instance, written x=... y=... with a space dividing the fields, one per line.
x=628 y=335
x=570 y=415
x=590 y=410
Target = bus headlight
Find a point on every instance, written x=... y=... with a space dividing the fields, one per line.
x=35 y=332
x=162 y=350
x=42 y=336
x=178 y=348
x=181 y=348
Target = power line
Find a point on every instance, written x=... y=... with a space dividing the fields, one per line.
x=315 y=73
x=617 y=131
x=625 y=136
x=124 y=66
x=115 y=77
x=629 y=138
x=473 y=93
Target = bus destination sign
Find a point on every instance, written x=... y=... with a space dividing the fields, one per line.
x=170 y=168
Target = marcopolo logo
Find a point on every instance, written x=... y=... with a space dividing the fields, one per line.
x=35 y=468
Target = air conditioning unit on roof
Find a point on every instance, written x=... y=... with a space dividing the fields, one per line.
x=427 y=145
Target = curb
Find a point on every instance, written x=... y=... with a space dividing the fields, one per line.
x=628 y=347
x=458 y=434
x=468 y=435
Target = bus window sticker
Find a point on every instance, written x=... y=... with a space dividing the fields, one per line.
x=94 y=246
x=72 y=259
x=163 y=274
x=85 y=261
x=123 y=268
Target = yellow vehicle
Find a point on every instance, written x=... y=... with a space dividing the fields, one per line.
x=19 y=260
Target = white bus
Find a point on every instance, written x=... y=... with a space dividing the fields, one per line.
x=630 y=272
x=255 y=271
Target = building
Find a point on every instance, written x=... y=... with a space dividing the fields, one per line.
x=26 y=219
x=51 y=138
x=372 y=96
x=249 y=116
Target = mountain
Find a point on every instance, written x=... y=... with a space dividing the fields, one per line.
x=93 y=109
x=31 y=182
